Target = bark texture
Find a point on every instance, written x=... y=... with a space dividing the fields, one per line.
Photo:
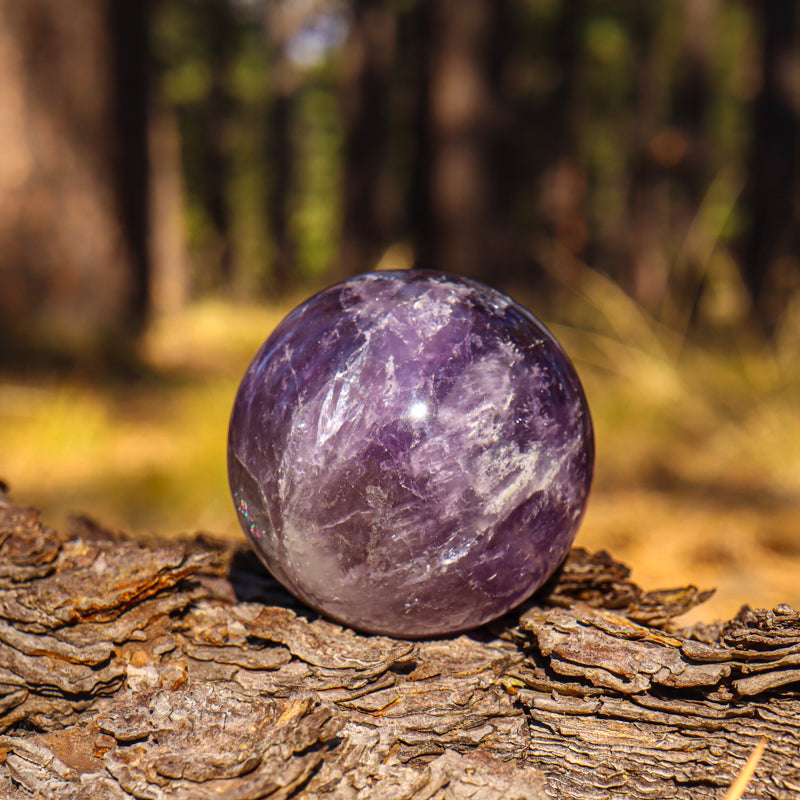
x=181 y=670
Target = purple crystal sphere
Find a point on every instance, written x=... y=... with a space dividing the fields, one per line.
x=410 y=453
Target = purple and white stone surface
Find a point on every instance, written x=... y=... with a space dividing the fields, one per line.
x=410 y=453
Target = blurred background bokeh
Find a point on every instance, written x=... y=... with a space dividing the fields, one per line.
x=175 y=175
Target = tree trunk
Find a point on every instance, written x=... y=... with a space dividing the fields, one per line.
x=648 y=230
x=219 y=109
x=131 y=63
x=183 y=671
x=280 y=25
x=687 y=274
x=280 y=190
x=170 y=282
x=694 y=94
x=73 y=177
x=771 y=265
x=562 y=180
x=460 y=203
x=367 y=71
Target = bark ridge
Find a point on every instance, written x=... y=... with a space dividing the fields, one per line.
x=153 y=670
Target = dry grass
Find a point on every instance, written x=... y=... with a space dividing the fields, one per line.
x=698 y=466
x=144 y=455
x=738 y=787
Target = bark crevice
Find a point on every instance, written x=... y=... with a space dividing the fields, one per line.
x=182 y=670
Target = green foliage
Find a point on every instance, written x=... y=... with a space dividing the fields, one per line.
x=605 y=85
x=217 y=68
x=317 y=211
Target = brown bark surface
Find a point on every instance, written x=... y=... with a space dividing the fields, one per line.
x=181 y=670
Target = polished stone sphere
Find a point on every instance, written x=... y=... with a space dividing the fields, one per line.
x=410 y=453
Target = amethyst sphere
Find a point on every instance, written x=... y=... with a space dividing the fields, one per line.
x=410 y=453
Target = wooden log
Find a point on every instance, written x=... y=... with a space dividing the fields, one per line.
x=182 y=670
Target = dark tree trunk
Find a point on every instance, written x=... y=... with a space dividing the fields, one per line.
x=129 y=24
x=562 y=181
x=368 y=60
x=218 y=114
x=694 y=99
x=648 y=268
x=73 y=178
x=280 y=150
x=771 y=265
x=460 y=205
x=280 y=191
x=694 y=96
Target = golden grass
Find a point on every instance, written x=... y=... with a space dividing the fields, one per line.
x=698 y=462
x=738 y=787
x=146 y=455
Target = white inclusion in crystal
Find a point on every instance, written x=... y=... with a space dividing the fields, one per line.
x=313 y=568
x=418 y=411
x=336 y=404
x=455 y=553
x=436 y=312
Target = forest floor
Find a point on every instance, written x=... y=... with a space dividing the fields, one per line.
x=698 y=451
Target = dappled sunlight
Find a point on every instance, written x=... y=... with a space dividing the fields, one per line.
x=210 y=336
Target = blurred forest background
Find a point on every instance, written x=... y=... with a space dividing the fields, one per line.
x=175 y=175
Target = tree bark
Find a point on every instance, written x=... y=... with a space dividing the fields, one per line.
x=183 y=670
